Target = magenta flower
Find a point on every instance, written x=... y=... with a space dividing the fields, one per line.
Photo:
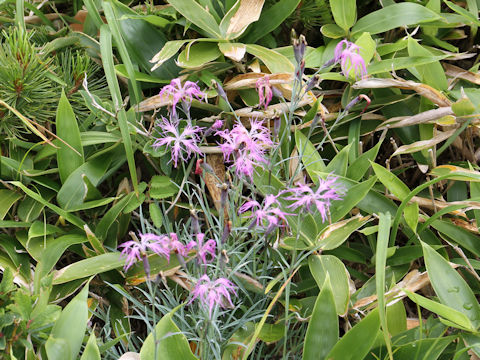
x=213 y=293
x=205 y=251
x=184 y=93
x=183 y=144
x=270 y=214
x=304 y=196
x=264 y=89
x=348 y=54
x=246 y=147
x=136 y=250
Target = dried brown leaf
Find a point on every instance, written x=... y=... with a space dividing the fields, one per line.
x=236 y=52
x=459 y=73
x=421 y=118
x=421 y=89
x=249 y=80
x=424 y=144
x=216 y=162
x=247 y=13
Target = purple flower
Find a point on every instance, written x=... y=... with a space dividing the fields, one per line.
x=269 y=214
x=264 y=89
x=162 y=245
x=246 y=147
x=304 y=196
x=348 y=54
x=182 y=143
x=136 y=250
x=184 y=93
x=205 y=251
x=212 y=293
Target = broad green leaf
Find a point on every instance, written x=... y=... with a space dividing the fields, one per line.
x=275 y=62
x=322 y=330
x=121 y=70
x=50 y=254
x=270 y=19
x=394 y=16
x=356 y=343
x=444 y=311
x=367 y=47
x=430 y=348
x=198 y=15
x=450 y=287
x=344 y=12
x=7 y=199
x=76 y=189
x=311 y=158
x=197 y=55
x=391 y=181
x=170 y=341
x=329 y=266
x=336 y=234
x=431 y=74
x=360 y=165
x=69 y=157
x=87 y=267
x=155 y=215
x=411 y=215
x=456 y=173
x=168 y=50
x=91 y=351
x=339 y=164
x=354 y=195
x=108 y=219
x=461 y=236
x=69 y=217
x=467 y=15
x=333 y=31
x=142 y=40
x=387 y=65
x=239 y=17
x=69 y=329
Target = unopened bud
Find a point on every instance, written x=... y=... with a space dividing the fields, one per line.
x=220 y=91
x=312 y=83
x=299 y=47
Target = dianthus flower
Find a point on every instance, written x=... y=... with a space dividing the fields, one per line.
x=183 y=144
x=264 y=89
x=212 y=293
x=304 y=196
x=136 y=250
x=205 y=251
x=270 y=213
x=184 y=93
x=162 y=245
x=348 y=54
x=245 y=147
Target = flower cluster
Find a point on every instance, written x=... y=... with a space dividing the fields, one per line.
x=348 y=54
x=246 y=148
x=320 y=199
x=183 y=144
x=161 y=245
x=184 y=93
x=214 y=292
x=269 y=214
x=205 y=251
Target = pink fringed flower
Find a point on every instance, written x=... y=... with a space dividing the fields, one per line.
x=303 y=196
x=136 y=250
x=213 y=293
x=246 y=147
x=270 y=214
x=264 y=89
x=205 y=251
x=184 y=93
x=348 y=54
x=183 y=144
